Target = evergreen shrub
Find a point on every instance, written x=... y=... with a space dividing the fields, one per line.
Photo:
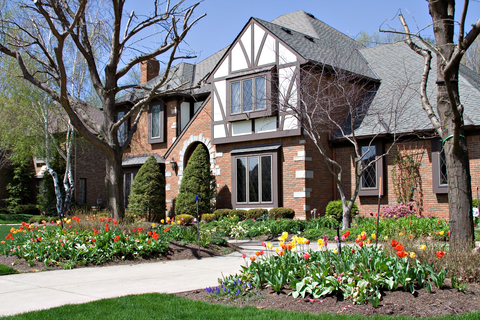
x=185 y=218
x=335 y=209
x=219 y=213
x=240 y=213
x=147 y=196
x=278 y=213
x=198 y=180
x=208 y=217
x=256 y=213
x=26 y=209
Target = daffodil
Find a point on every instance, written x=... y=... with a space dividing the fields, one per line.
x=269 y=245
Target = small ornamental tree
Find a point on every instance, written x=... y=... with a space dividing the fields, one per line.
x=198 y=180
x=148 y=191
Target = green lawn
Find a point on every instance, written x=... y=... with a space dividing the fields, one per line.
x=14 y=218
x=163 y=306
x=4 y=231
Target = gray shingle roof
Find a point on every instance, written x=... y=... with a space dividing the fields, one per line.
x=397 y=101
x=326 y=45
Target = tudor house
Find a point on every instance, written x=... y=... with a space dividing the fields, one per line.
x=259 y=153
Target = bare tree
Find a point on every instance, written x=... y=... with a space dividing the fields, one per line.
x=448 y=118
x=333 y=105
x=46 y=30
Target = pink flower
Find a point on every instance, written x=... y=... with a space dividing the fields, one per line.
x=244 y=256
x=343 y=238
x=306 y=255
x=336 y=238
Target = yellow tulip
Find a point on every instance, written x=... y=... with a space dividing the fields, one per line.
x=153 y=225
x=374 y=236
x=412 y=255
x=277 y=250
x=386 y=238
x=335 y=251
x=441 y=233
x=320 y=243
x=162 y=221
x=423 y=247
x=400 y=234
x=168 y=219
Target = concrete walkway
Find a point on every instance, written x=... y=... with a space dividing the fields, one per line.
x=43 y=290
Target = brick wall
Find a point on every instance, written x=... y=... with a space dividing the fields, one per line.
x=427 y=202
x=89 y=163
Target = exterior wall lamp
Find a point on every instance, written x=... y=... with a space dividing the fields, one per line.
x=173 y=165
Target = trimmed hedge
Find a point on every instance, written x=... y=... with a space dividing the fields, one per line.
x=240 y=213
x=256 y=213
x=219 y=213
x=335 y=209
x=187 y=219
x=208 y=217
x=278 y=213
x=26 y=209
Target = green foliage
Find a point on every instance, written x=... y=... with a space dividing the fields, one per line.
x=147 y=196
x=277 y=213
x=18 y=189
x=240 y=213
x=219 y=213
x=208 y=217
x=256 y=213
x=198 y=180
x=335 y=209
x=26 y=209
x=4 y=270
x=186 y=219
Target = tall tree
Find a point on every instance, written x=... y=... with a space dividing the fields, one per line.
x=47 y=30
x=448 y=119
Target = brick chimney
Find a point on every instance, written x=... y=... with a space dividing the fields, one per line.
x=149 y=70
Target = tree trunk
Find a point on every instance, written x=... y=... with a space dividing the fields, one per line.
x=114 y=184
x=451 y=117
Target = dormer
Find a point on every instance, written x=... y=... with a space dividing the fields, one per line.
x=253 y=85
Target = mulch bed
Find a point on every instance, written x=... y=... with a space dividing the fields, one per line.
x=422 y=304
x=175 y=251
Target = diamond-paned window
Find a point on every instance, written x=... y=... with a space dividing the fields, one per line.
x=443 y=168
x=369 y=177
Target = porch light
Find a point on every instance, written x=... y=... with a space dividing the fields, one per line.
x=173 y=165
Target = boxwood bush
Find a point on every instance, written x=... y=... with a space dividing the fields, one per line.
x=186 y=218
x=256 y=213
x=335 y=209
x=278 y=213
x=240 y=213
x=208 y=217
x=219 y=213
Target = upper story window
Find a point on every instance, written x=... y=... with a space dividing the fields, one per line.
x=369 y=185
x=123 y=129
x=439 y=168
x=248 y=95
x=156 y=127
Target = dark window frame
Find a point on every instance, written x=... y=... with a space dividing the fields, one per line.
x=269 y=89
x=162 y=137
x=365 y=192
x=125 y=125
x=275 y=171
x=436 y=157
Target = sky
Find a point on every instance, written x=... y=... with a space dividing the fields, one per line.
x=225 y=18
